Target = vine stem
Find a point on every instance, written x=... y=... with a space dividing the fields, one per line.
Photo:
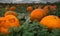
x=25 y=22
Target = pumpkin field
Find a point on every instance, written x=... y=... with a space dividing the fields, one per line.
x=30 y=19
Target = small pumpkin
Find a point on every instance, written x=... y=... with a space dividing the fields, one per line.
x=53 y=7
x=51 y=22
x=12 y=8
x=46 y=8
x=10 y=13
x=37 y=14
x=11 y=21
x=29 y=8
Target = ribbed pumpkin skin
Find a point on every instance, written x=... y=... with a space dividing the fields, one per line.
x=12 y=8
x=10 y=13
x=51 y=22
x=36 y=14
x=11 y=21
x=29 y=8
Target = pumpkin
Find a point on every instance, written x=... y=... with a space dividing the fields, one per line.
x=51 y=22
x=46 y=8
x=4 y=30
x=12 y=8
x=29 y=8
x=10 y=13
x=37 y=14
x=53 y=7
x=11 y=21
x=2 y=21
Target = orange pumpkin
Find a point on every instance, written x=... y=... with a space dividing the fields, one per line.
x=2 y=21
x=10 y=13
x=53 y=7
x=12 y=8
x=46 y=8
x=4 y=30
x=37 y=14
x=29 y=8
x=51 y=22
x=11 y=21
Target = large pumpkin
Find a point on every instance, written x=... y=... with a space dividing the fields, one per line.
x=37 y=14
x=12 y=8
x=10 y=13
x=29 y=8
x=51 y=21
x=11 y=21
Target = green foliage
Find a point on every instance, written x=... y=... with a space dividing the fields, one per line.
x=34 y=29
